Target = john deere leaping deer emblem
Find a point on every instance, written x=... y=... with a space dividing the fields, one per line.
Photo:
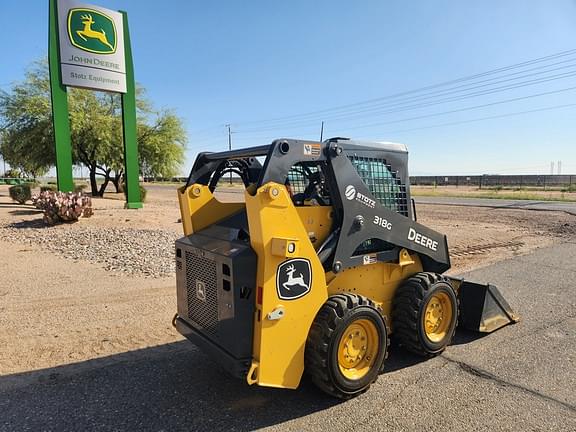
x=293 y=278
x=92 y=31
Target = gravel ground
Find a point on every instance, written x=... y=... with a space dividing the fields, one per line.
x=128 y=250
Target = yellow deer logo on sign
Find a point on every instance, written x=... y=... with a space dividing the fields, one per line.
x=87 y=31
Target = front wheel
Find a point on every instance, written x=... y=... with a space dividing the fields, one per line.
x=425 y=313
x=347 y=346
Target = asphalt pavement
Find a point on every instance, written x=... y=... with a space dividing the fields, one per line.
x=568 y=207
x=520 y=378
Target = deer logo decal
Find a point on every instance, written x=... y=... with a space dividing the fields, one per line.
x=293 y=278
x=92 y=31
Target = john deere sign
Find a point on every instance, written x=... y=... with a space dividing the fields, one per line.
x=90 y=37
x=89 y=47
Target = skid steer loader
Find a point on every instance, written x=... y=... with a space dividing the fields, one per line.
x=320 y=265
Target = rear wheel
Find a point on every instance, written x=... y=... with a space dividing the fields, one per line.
x=347 y=346
x=425 y=313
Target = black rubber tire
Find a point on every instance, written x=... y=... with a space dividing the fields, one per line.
x=409 y=306
x=321 y=355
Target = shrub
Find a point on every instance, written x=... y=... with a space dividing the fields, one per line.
x=143 y=191
x=79 y=187
x=12 y=173
x=63 y=206
x=20 y=193
x=32 y=184
x=48 y=188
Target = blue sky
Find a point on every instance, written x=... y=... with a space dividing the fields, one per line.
x=245 y=63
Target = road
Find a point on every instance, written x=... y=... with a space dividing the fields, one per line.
x=568 y=207
x=518 y=378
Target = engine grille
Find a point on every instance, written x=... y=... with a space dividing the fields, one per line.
x=201 y=272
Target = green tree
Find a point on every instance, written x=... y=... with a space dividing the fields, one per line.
x=27 y=126
x=96 y=132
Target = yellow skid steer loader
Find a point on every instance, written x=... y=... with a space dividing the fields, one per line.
x=318 y=267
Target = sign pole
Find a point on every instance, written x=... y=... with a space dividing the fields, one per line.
x=131 y=167
x=59 y=108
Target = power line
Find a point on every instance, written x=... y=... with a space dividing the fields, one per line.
x=402 y=106
x=512 y=114
x=486 y=118
x=466 y=108
x=376 y=108
x=442 y=84
x=430 y=103
x=396 y=103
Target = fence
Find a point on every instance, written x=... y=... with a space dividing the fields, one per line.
x=542 y=181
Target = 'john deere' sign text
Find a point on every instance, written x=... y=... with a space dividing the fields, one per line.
x=91 y=47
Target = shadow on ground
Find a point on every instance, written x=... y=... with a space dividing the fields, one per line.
x=16 y=206
x=35 y=223
x=25 y=212
x=464 y=336
x=169 y=387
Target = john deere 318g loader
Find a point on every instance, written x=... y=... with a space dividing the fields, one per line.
x=320 y=265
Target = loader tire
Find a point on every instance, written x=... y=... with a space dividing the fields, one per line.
x=425 y=313
x=346 y=346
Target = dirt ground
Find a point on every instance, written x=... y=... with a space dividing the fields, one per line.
x=55 y=311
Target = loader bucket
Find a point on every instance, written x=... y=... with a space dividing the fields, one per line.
x=483 y=309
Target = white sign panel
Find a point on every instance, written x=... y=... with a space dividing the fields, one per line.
x=91 y=47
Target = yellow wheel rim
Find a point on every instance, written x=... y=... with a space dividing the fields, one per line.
x=358 y=349
x=438 y=316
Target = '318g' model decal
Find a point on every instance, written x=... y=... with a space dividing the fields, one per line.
x=381 y=222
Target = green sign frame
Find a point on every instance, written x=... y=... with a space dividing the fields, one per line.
x=61 y=122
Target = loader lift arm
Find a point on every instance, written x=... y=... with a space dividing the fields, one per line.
x=356 y=220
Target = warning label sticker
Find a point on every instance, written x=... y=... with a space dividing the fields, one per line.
x=311 y=149
x=369 y=259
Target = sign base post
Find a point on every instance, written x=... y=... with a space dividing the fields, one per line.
x=59 y=108
x=131 y=168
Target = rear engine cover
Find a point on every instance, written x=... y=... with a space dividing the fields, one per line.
x=215 y=281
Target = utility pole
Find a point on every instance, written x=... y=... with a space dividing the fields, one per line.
x=552 y=168
x=229 y=147
x=321 y=131
x=559 y=167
